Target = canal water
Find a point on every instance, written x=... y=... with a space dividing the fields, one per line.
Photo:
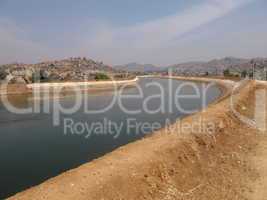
x=35 y=147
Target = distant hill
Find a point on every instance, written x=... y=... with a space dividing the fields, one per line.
x=216 y=66
x=136 y=67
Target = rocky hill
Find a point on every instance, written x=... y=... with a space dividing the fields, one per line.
x=216 y=66
x=74 y=69
x=212 y=67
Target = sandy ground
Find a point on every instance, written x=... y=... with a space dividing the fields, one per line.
x=259 y=160
x=259 y=155
x=13 y=89
x=228 y=162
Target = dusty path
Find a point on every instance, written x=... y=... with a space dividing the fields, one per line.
x=259 y=160
x=259 y=156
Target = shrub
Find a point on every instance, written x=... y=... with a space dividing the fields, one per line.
x=101 y=76
x=244 y=74
x=3 y=74
x=226 y=72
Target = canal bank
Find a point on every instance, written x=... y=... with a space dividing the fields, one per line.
x=172 y=165
x=20 y=89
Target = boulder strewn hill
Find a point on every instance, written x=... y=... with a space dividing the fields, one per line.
x=74 y=69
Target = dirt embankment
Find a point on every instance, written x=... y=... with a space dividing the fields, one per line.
x=13 y=89
x=174 y=163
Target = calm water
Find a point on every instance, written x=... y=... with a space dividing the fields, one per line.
x=33 y=150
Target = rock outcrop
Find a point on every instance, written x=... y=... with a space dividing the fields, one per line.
x=72 y=69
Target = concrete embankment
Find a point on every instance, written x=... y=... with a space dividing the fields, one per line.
x=80 y=84
x=210 y=162
x=14 y=89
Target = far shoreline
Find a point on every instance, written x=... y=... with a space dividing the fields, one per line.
x=24 y=89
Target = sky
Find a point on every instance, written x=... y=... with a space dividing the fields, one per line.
x=124 y=31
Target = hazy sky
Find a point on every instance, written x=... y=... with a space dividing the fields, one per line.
x=120 y=31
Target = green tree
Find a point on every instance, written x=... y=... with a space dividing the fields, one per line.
x=35 y=77
x=244 y=74
x=226 y=72
x=101 y=76
x=3 y=74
